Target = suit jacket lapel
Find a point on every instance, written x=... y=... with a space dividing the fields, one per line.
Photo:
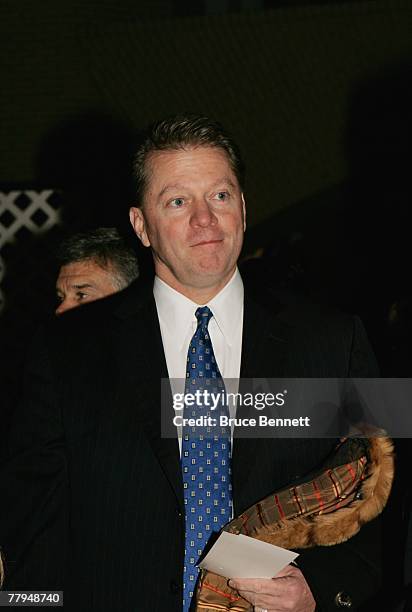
x=141 y=366
x=264 y=341
x=264 y=347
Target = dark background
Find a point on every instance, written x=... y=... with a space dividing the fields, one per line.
x=318 y=96
x=280 y=79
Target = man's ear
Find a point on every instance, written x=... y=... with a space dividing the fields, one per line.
x=244 y=211
x=139 y=225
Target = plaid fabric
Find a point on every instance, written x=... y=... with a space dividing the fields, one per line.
x=331 y=489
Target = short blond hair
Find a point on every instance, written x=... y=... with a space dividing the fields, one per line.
x=180 y=132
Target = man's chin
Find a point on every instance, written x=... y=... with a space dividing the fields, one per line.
x=212 y=275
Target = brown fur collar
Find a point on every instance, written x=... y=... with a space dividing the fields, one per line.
x=336 y=527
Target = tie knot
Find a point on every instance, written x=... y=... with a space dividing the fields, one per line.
x=203 y=316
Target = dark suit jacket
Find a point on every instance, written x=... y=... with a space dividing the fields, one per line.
x=93 y=494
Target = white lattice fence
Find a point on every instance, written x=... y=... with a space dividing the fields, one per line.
x=22 y=213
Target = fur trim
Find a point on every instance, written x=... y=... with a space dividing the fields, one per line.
x=338 y=526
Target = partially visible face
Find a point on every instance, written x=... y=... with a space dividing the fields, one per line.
x=81 y=282
x=193 y=218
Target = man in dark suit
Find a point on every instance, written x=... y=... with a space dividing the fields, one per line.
x=97 y=503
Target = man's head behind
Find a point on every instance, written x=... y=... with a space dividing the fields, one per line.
x=93 y=265
x=191 y=210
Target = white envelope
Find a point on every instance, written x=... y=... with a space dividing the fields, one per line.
x=239 y=556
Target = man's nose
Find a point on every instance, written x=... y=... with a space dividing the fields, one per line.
x=202 y=214
x=63 y=306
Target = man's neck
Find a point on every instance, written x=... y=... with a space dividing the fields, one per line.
x=198 y=295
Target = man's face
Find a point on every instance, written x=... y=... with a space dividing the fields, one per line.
x=193 y=218
x=81 y=282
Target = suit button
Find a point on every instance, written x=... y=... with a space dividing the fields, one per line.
x=174 y=587
x=342 y=600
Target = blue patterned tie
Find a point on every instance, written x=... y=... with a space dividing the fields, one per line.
x=205 y=458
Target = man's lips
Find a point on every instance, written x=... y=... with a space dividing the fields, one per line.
x=205 y=242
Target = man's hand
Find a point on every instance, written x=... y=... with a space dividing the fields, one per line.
x=287 y=592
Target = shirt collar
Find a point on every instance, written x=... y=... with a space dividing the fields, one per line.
x=227 y=307
x=177 y=312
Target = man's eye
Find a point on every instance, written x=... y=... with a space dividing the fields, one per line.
x=177 y=202
x=81 y=295
x=222 y=196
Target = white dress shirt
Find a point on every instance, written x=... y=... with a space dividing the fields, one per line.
x=178 y=324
